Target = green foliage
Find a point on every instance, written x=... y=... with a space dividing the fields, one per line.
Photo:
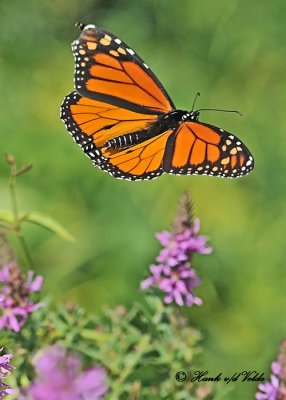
x=47 y=222
x=13 y=221
x=141 y=348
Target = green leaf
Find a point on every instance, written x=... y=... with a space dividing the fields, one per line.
x=6 y=216
x=24 y=169
x=92 y=334
x=50 y=224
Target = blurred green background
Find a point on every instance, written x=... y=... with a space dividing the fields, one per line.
x=233 y=52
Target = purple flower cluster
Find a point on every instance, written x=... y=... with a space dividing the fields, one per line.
x=15 y=303
x=173 y=273
x=59 y=376
x=275 y=388
x=5 y=368
x=269 y=390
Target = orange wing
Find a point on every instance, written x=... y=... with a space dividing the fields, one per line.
x=143 y=161
x=100 y=121
x=199 y=148
x=92 y=123
x=107 y=70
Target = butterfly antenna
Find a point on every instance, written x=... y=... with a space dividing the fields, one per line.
x=195 y=99
x=216 y=109
x=80 y=25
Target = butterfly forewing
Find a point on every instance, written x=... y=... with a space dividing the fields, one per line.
x=108 y=70
x=101 y=121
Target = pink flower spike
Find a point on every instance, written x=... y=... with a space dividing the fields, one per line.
x=173 y=274
x=15 y=302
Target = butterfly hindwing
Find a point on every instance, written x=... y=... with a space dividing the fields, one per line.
x=108 y=70
x=199 y=148
x=141 y=162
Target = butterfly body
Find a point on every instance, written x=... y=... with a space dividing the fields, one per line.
x=168 y=121
x=127 y=124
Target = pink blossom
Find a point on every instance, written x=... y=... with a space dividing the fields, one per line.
x=60 y=376
x=5 y=368
x=275 y=388
x=15 y=302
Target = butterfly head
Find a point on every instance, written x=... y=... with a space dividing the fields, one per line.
x=174 y=118
x=84 y=27
x=191 y=116
x=80 y=25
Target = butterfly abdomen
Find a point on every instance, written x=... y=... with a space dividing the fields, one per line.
x=121 y=142
x=131 y=139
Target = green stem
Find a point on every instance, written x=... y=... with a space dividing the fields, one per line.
x=6 y=253
x=13 y=193
x=26 y=251
x=17 y=220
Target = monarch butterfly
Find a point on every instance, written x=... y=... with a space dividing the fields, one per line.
x=126 y=123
